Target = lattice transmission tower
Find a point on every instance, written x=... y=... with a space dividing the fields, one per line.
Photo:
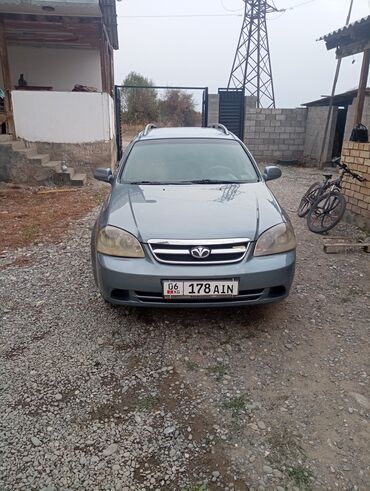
x=251 y=70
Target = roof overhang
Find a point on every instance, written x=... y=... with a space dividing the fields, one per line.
x=70 y=23
x=351 y=39
x=52 y=31
x=108 y=8
x=89 y=8
x=339 y=100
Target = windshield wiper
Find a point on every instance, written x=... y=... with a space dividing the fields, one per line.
x=213 y=181
x=178 y=183
x=146 y=182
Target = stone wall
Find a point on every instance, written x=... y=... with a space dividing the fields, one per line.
x=275 y=134
x=357 y=157
x=84 y=156
x=15 y=166
x=315 y=129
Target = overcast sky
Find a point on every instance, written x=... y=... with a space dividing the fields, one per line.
x=199 y=50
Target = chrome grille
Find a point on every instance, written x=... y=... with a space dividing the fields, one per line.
x=217 y=251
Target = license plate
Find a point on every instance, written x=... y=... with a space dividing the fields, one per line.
x=190 y=289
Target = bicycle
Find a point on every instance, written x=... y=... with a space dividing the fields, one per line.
x=324 y=204
x=314 y=191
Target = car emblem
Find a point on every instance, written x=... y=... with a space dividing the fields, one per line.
x=200 y=252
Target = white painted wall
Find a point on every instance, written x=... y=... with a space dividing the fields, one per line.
x=59 y=68
x=63 y=117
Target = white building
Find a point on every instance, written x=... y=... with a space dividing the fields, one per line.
x=57 y=45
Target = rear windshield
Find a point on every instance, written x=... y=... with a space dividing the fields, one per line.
x=180 y=161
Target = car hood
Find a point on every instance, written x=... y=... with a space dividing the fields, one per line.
x=193 y=211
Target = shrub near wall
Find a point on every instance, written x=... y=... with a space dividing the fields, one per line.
x=357 y=157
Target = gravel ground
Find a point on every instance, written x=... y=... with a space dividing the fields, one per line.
x=262 y=398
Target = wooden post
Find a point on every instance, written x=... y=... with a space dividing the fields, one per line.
x=103 y=59
x=111 y=70
x=4 y=59
x=362 y=88
x=329 y=116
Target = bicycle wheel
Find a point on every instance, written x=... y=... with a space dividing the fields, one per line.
x=326 y=212
x=309 y=197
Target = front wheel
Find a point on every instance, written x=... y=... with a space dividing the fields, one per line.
x=326 y=212
x=310 y=196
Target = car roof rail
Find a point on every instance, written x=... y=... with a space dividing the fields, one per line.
x=149 y=127
x=221 y=127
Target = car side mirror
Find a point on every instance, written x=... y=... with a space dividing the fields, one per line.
x=271 y=172
x=105 y=175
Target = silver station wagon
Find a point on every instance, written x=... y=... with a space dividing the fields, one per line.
x=190 y=222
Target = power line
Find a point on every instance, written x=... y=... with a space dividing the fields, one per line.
x=176 y=16
x=277 y=17
x=293 y=7
x=233 y=10
x=231 y=14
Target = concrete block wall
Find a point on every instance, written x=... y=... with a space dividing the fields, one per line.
x=213 y=108
x=351 y=117
x=315 y=129
x=357 y=157
x=275 y=134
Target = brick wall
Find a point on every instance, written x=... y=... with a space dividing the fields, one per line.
x=275 y=134
x=357 y=157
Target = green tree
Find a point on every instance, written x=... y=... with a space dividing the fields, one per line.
x=177 y=108
x=139 y=106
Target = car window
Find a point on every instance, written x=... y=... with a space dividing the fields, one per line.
x=183 y=160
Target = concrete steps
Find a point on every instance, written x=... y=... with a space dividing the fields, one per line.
x=18 y=149
x=39 y=159
x=6 y=138
x=79 y=180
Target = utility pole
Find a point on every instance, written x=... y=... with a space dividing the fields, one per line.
x=251 y=69
x=330 y=109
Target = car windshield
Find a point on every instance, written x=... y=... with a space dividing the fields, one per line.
x=184 y=161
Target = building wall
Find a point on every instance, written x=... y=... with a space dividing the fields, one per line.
x=357 y=157
x=315 y=129
x=213 y=108
x=275 y=134
x=63 y=117
x=55 y=67
x=351 y=117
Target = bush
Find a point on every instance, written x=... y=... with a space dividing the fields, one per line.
x=142 y=105
x=139 y=106
x=177 y=108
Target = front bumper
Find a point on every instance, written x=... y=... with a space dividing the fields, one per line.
x=138 y=282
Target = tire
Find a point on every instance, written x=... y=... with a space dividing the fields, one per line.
x=326 y=212
x=309 y=197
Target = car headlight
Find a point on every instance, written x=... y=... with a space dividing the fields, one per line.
x=276 y=240
x=114 y=241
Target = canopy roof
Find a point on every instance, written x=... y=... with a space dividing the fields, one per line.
x=351 y=39
x=59 y=23
x=344 y=99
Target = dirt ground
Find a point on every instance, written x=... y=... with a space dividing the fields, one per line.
x=261 y=398
x=31 y=215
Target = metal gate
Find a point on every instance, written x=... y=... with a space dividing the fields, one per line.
x=119 y=89
x=231 y=110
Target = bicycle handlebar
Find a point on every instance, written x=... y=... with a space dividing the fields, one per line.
x=347 y=170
